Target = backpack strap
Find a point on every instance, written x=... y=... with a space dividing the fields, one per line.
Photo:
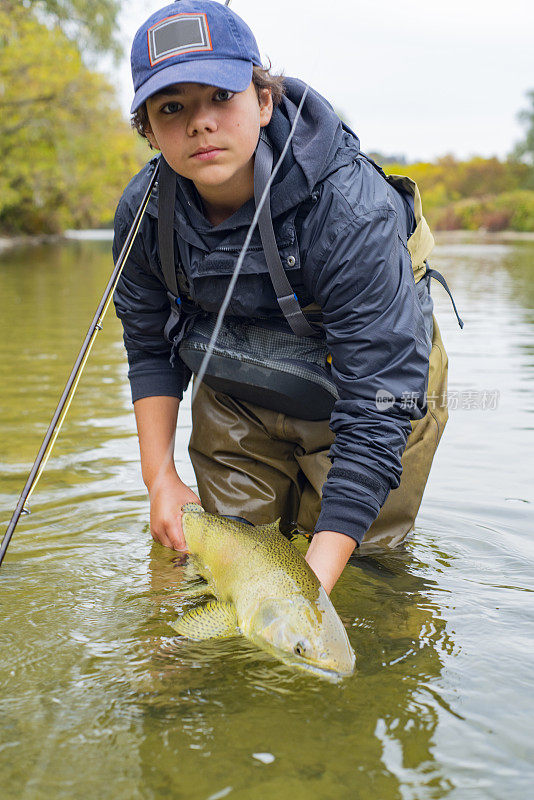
x=166 y=202
x=175 y=280
x=286 y=297
x=433 y=273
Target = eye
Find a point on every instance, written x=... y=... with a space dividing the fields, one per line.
x=223 y=95
x=171 y=108
x=300 y=648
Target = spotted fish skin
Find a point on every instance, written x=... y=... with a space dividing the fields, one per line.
x=266 y=591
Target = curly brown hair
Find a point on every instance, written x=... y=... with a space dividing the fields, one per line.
x=261 y=78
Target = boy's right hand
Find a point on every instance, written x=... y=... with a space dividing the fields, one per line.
x=166 y=501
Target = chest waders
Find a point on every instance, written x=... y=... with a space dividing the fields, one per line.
x=263 y=463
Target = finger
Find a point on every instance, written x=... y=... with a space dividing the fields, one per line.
x=161 y=537
x=175 y=536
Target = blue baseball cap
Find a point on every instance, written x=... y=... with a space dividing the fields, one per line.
x=192 y=41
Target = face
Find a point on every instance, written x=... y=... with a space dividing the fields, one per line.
x=207 y=134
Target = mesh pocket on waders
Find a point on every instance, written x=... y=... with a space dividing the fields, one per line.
x=261 y=365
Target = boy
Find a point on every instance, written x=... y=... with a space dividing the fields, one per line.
x=202 y=99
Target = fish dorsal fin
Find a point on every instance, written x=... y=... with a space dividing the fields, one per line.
x=214 y=620
x=269 y=527
x=195 y=508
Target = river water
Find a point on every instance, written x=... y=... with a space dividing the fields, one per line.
x=99 y=699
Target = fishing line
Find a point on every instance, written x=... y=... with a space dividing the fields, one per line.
x=233 y=281
x=205 y=361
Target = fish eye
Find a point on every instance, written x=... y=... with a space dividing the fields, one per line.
x=300 y=648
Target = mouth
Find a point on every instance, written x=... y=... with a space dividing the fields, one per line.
x=206 y=153
x=328 y=673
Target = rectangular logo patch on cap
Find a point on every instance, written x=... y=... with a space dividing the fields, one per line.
x=174 y=36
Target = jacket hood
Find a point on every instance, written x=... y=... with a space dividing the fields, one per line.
x=319 y=146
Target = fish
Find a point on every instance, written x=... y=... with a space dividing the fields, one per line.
x=264 y=590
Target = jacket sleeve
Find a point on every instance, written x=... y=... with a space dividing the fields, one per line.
x=376 y=336
x=142 y=305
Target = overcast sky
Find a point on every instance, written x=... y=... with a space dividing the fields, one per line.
x=416 y=77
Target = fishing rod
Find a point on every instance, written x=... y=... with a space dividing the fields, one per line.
x=76 y=372
x=96 y=325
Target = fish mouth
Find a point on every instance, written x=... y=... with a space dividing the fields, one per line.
x=330 y=674
x=327 y=672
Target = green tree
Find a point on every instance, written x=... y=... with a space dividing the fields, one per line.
x=90 y=23
x=478 y=193
x=525 y=149
x=66 y=150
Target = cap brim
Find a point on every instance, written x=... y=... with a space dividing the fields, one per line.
x=232 y=74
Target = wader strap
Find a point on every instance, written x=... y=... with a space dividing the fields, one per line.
x=287 y=299
x=433 y=273
x=166 y=202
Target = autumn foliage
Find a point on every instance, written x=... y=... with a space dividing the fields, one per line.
x=482 y=193
x=67 y=152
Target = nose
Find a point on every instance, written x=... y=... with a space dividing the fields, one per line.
x=201 y=120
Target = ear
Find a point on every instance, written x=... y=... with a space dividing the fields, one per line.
x=266 y=107
x=151 y=138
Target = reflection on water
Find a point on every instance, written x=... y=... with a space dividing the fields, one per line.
x=99 y=698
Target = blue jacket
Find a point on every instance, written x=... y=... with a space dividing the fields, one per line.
x=346 y=229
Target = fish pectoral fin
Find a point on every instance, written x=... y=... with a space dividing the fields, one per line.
x=214 y=620
x=198 y=588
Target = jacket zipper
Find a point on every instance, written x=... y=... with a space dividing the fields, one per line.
x=251 y=248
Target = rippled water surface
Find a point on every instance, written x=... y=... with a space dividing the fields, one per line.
x=98 y=698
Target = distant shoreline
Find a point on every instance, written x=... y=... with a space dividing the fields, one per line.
x=9 y=242
x=105 y=234
x=486 y=236
x=96 y=234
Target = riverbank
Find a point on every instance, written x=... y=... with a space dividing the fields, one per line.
x=9 y=242
x=105 y=234
x=96 y=234
x=484 y=236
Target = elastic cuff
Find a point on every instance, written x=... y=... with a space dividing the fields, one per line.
x=364 y=481
x=156 y=384
x=351 y=517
